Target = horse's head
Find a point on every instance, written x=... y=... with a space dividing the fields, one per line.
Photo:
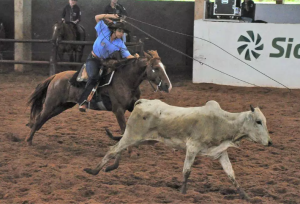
x=1 y=26
x=148 y=68
x=156 y=71
x=2 y=31
x=58 y=31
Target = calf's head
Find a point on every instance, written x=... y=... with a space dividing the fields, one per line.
x=255 y=127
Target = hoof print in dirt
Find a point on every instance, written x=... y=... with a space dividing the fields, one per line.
x=12 y=137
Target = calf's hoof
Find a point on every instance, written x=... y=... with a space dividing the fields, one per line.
x=111 y=168
x=29 y=142
x=246 y=197
x=243 y=194
x=91 y=171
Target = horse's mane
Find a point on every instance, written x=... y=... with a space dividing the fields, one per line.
x=130 y=61
x=153 y=53
x=123 y=62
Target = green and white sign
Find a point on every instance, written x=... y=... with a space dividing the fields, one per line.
x=273 y=49
x=248 y=40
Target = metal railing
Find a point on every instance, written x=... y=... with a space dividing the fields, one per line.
x=53 y=63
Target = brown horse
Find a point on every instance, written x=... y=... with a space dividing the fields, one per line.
x=67 y=31
x=56 y=94
x=2 y=36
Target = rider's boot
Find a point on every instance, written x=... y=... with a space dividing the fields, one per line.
x=83 y=101
x=87 y=95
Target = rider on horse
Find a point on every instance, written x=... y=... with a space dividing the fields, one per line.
x=115 y=8
x=109 y=40
x=72 y=14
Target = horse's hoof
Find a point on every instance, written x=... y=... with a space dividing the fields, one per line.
x=91 y=171
x=108 y=133
x=29 y=143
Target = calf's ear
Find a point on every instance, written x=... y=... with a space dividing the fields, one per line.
x=251 y=107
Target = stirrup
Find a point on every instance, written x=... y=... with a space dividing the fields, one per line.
x=83 y=106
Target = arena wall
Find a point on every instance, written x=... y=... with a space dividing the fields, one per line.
x=274 y=13
x=273 y=49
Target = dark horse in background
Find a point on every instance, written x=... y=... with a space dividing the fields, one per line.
x=56 y=94
x=68 y=31
x=2 y=35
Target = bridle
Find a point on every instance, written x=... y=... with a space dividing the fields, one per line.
x=159 y=85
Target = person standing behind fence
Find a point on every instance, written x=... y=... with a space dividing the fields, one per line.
x=71 y=13
x=248 y=10
x=115 y=8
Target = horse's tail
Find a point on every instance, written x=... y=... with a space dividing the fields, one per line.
x=37 y=98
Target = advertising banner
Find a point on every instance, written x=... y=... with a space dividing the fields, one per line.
x=273 y=49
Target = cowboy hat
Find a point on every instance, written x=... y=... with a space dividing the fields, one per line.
x=118 y=25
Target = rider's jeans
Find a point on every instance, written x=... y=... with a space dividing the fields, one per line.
x=92 y=69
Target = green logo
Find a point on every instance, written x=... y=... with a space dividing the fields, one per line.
x=251 y=45
x=290 y=48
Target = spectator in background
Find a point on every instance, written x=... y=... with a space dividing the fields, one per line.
x=71 y=13
x=115 y=8
x=248 y=10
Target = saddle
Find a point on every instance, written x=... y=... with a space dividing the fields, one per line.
x=105 y=74
x=95 y=99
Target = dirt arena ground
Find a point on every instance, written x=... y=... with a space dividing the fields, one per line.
x=51 y=171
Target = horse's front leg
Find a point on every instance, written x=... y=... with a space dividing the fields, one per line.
x=119 y=113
